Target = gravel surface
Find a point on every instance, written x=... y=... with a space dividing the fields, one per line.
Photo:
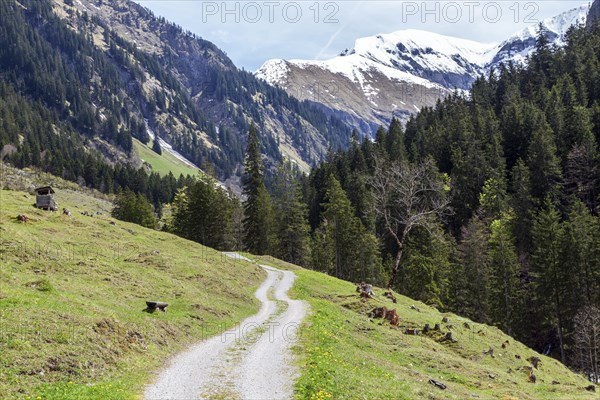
x=251 y=361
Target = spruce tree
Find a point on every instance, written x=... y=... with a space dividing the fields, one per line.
x=550 y=281
x=504 y=281
x=203 y=212
x=394 y=141
x=291 y=217
x=257 y=204
x=522 y=204
x=472 y=280
x=581 y=254
x=342 y=243
x=543 y=163
x=156 y=145
x=132 y=207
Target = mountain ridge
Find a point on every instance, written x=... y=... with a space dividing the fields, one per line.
x=109 y=72
x=418 y=65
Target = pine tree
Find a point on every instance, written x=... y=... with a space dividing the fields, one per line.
x=258 y=220
x=340 y=225
x=582 y=175
x=581 y=255
x=132 y=207
x=394 y=141
x=342 y=243
x=550 y=281
x=543 y=162
x=203 y=212
x=426 y=267
x=504 y=282
x=522 y=205
x=493 y=199
x=156 y=145
x=291 y=217
x=472 y=280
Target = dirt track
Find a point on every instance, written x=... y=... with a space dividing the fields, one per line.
x=250 y=361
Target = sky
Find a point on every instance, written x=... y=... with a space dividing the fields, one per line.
x=251 y=32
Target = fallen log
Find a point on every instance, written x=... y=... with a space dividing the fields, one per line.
x=437 y=384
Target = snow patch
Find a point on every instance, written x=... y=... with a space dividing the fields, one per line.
x=273 y=71
x=402 y=55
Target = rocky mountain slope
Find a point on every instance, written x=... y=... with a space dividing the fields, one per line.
x=110 y=71
x=398 y=73
x=594 y=14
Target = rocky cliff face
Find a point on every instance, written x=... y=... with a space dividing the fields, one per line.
x=594 y=14
x=212 y=126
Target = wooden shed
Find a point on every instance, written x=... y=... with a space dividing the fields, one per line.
x=44 y=198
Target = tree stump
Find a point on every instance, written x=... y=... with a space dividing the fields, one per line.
x=534 y=361
x=156 y=305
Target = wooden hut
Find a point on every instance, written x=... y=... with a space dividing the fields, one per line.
x=44 y=198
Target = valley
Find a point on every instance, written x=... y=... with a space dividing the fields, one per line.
x=413 y=217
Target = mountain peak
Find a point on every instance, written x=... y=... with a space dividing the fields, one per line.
x=521 y=44
x=397 y=73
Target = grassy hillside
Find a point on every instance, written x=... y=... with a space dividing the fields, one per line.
x=347 y=355
x=163 y=163
x=73 y=290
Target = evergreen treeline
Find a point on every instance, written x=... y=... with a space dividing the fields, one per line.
x=132 y=207
x=485 y=205
x=518 y=244
x=108 y=90
x=205 y=213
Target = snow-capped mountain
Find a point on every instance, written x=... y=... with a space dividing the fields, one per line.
x=520 y=45
x=396 y=74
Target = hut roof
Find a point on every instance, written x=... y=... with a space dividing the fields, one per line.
x=45 y=190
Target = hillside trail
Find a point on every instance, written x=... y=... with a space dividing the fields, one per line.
x=250 y=361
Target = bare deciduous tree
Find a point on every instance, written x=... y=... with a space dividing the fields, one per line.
x=587 y=341
x=407 y=196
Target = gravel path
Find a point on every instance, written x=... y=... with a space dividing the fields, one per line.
x=250 y=361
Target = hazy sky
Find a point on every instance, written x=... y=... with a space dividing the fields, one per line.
x=251 y=32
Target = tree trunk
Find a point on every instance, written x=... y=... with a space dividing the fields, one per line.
x=559 y=320
x=396 y=266
x=560 y=340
